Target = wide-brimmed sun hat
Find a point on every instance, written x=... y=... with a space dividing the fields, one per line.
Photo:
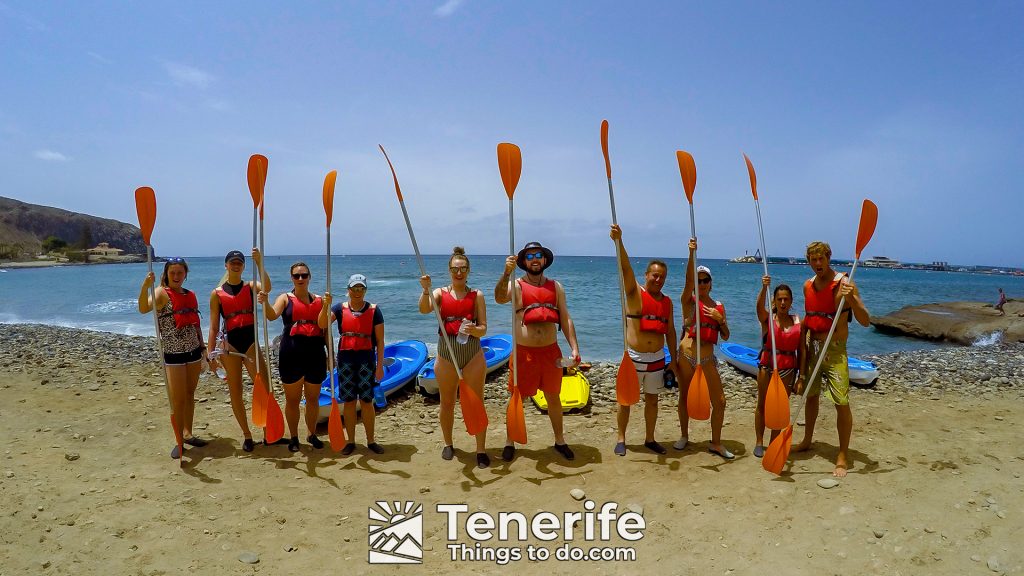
x=549 y=257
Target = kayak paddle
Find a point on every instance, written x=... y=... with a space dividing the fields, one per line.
x=335 y=431
x=776 y=402
x=474 y=415
x=510 y=165
x=627 y=385
x=778 y=451
x=698 y=399
x=259 y=387
x=145 y=207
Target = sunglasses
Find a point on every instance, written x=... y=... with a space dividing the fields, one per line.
x=301 y=276
x=457 y=269
x=704 y=281
x=176 y=260
x=535 y=256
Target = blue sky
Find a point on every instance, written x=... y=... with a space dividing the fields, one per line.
x=915 y=105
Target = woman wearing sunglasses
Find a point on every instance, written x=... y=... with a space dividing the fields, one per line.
x=182 y=340
x=360 y=358
x=302 y=359
x=232 y=301
x=712 y=323
x=464 y=313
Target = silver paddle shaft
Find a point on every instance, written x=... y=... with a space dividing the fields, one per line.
x=764 y=260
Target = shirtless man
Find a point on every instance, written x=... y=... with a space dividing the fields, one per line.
x=822 y=293
x=649 y=325
x=540 y=311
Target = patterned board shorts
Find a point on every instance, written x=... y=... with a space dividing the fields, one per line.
x=833 y=380
x=355 y=381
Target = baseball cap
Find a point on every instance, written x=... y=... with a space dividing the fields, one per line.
x=357 y=280
x=234 y=255
x=705 y=270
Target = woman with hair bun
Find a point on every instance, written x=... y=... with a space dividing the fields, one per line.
x=788 y=350
x=464 y=313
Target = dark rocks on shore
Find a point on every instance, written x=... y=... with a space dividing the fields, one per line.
x=959 y=322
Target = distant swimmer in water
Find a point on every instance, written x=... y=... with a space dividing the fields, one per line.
x=822 y=293
x=182 y=340
x=234 y=303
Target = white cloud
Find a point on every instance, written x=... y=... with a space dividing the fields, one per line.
x=182 y=74
x=448 y=8
x=50 y=156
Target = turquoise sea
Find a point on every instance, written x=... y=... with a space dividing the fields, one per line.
x=103 y=297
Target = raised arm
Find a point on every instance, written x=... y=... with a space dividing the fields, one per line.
x=428 y=295
x=503 y=289
x=264 y=283
x=762 y=314
x=629 y=283
x=686 y=298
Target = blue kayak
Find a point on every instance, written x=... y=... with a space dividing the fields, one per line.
x=402 y=361
x=745 y=359
x=497 y=351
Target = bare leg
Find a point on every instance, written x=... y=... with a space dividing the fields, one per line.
x=844 y=422
x=650 y=416
x=763 y=376
x=555 y=415
x=447 y=382
x=623 y=421
x=684 y=388
x=292 y=395
x=349 y=412
x=177 y=387
x=810 y=416
x=233 y=367
x=717 y=403
x=312 y=393
x=192 y=371
x=369 y=414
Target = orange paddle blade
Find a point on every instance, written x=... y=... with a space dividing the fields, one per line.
x=275 y=421
x=753 y=177
x=698 y=399
x=329 y=181
x=776 y=404
x=627 y=384
x=145 y=206
x=604 y=148
x=775 y=456
x=257 y=176
x=260 y=398
x=515 y=419
x=473 y=412
x=688 y=172
x=866 y=229
x=398 y=189
x=510 y=164
x=335 y=431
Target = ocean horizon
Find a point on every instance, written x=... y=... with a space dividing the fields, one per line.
x=104 y=298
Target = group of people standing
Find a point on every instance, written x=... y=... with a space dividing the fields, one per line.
x=540 y=313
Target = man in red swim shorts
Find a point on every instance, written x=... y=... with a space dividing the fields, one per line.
x=540 y=311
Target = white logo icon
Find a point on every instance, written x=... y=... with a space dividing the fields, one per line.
x=396 y=533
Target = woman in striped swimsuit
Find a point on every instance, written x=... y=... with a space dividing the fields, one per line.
x=787 y=350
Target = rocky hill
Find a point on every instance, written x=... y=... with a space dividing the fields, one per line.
x=23 y=227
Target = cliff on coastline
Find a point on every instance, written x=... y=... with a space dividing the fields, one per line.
x=24 y=227
x=960 y=322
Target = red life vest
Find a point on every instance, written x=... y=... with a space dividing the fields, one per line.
x=654 y=314
x=304 y=316
x=787 y=343
x=453 y=311
x=709 y=327
x=540 y=303
x=236 y=308
x=184 y=307
x=820 y=305
x=356 y=328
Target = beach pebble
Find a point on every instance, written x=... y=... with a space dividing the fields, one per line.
x=71 y=456
x=878 y=533
x=577 y=494
x=289 y=548
x=94 y=387
x=828 y=483
x=9 y=473
x=635 y=507
x=976 y=558
x=1001 y=514
x=993 y=564
x=249 y=558
x=424 y=489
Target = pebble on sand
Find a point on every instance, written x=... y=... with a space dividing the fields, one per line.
x=577 y=494
x=71 y=456
x=828 y=483
x=249 y=558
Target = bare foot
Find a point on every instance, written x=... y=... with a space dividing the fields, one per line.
x=803 y=446
x=840 y=471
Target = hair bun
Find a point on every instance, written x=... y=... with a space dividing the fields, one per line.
x=458 y=251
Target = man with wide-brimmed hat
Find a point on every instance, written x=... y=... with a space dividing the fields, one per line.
x=540 y=312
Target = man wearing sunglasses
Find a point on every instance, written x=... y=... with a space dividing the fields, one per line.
x=649 y=326
x=540 y=312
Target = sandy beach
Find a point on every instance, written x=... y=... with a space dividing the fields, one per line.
x=88 y=487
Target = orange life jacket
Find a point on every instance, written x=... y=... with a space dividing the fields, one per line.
x=184 y=307
x=820 y=305
x=540 y=303
x=236 y=308
x=709 y=327
x=453 y=310
x=305 y=315
x=787 y=343
x=654 y=314
x=356 y=328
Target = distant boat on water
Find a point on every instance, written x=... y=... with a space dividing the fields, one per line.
x=747 y=258
x=881 y=262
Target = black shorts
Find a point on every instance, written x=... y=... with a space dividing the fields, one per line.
x=182 y=358
x=241 y=339
x=303 y=360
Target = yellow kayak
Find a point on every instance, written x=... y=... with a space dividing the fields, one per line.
x=575 y=392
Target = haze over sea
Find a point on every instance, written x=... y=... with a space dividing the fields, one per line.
x=104 y=297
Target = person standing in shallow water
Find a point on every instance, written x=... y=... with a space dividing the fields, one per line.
x=1001 y=302
x=234 y=302
x=360 y=358
x=708 y=316
x=302 y=357
x=464 y=311
x=540 y=311
x=649 y=324
x=822 y=293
